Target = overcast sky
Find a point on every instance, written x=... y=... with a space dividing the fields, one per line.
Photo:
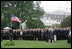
x=50 y=6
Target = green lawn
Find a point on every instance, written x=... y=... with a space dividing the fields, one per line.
x=36 y=44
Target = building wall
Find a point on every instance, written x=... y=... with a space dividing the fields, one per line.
x=55 y=17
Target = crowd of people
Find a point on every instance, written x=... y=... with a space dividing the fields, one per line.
x=46 y=34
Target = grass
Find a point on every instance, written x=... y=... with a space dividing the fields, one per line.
x=35 y=44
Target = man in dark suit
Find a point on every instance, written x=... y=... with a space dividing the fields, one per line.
x=18 y=33
x=23 y=34
x=69 y=37
x=40 y=35
x=1 y=34
x=30 y=34
x=47 y=35
x=15 y=32
x=42 y=32
x=37 y=34
x=11 y=35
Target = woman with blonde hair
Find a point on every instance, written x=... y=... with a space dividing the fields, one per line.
x=51 y=35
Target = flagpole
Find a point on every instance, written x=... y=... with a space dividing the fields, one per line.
x=11 y=24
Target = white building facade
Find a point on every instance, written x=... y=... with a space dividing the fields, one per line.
x=54 y=18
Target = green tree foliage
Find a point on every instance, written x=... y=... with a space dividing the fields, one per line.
x=35 y=24
x=24 y=10
x=66 y=22
x=57 y=25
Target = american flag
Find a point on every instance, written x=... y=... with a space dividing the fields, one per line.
x=14 y=18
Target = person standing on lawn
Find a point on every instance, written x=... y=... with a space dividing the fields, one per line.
x=11 y=35
x=69 y=37
x=51 y=35
x=1 y=34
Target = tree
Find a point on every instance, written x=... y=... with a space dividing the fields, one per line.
x=66 y=22
x=57 y=25
x=24 y=10
x=37 y=23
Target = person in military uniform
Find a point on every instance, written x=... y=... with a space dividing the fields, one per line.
x=11 y=35
x=42 y=32
x=36 y=34
x=31 y=36
x=69 y=37
x=1 y=34
x=23 y=34
x=40 y=35
x=47 y=35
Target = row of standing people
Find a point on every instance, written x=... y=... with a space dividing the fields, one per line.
x=37 y=34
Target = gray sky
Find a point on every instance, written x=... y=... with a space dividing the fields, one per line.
x=50 y=6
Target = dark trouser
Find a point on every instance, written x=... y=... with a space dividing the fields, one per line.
x=1 y=38
x=11 y=38
x=69 y=39
x=51 y=38
x=47 y=39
